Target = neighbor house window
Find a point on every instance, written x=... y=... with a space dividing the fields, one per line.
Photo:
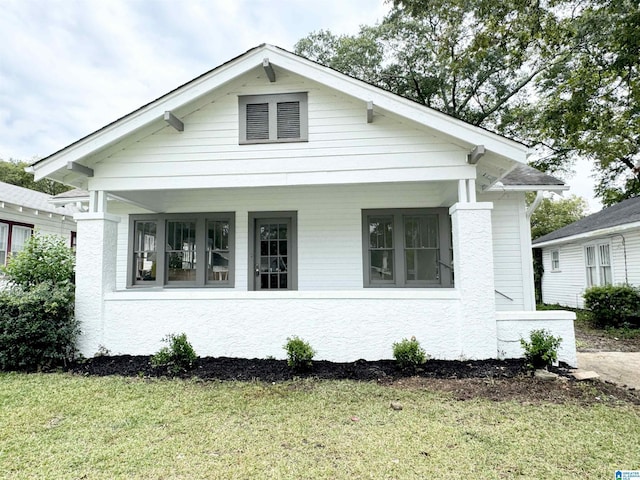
x=13 y=237
x=598 y=264
x=555 y=260
x=273 y=118
x=407 y=248
x=177 y=250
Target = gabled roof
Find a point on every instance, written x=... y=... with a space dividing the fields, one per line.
x=525 y=175
x=467 y=134
x=24 y=197
x=625 y=214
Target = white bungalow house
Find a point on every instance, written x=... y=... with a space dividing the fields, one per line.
x=273 y=196
x=23 y=212
x=601 y=249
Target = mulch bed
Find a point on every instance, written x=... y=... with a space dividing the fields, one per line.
x=497 y=380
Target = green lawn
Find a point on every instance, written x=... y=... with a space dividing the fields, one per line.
x=62 y=426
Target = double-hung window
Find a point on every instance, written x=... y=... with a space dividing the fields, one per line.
x=13 y=237
x=555 y=261
x=407 y=248
x=598 y=264
x=182 y=250
x=273 y=118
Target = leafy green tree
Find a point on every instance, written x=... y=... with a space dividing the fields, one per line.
x=589 y=105
x=13 y=172
x=559 y=75
x=555 y=213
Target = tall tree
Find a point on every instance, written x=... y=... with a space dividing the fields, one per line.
x=590 y=104
x=556 y=213
x=13 y=172
x=560 y=75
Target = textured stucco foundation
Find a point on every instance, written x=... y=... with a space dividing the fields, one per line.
x=512 y=326
x=255 y=324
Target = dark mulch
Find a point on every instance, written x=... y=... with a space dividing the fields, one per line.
x=224 y=368
x=497 y=380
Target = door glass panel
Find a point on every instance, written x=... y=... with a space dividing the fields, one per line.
x=272 y=253
x=181 y=251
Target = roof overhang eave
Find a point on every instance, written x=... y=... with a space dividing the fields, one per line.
x=601 y=232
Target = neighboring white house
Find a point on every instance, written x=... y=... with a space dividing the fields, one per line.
x=273 y=196
x=24 y=211
x=601 y=249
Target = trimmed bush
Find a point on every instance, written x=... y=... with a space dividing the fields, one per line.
x=299 y=354
x=542 y=349
x=44 y=258
x=614 y=305
x=37 y=326
x=409 y=353
x=179 y=356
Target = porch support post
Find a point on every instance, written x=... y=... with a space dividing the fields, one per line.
x=474 y=278
x=95 y=275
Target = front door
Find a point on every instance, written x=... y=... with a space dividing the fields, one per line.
x=273 y=254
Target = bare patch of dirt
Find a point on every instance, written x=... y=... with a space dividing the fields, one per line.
x=497 y=380
x=592 y=340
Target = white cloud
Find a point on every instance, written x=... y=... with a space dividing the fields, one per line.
x=69 y=67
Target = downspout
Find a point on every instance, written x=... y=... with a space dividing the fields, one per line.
x=624 y=251
x=536 y=203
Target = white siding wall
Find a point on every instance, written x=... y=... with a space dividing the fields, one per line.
x=511 y=247
x=342 y=146
x=329 y=225
x=41 y=222
x=567 y=285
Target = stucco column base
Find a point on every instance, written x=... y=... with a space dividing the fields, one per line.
x=95 y=275
x=474 y=278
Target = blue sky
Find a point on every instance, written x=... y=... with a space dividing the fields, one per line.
x=69 y=67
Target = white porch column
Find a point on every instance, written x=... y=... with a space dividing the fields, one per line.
x=473 y=260
x=95 y=274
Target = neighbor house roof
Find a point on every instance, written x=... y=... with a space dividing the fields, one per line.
x=24 y=197
x=623 y=215
x=82 y=153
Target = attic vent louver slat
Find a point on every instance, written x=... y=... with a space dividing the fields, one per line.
x=289 y=120
x=257 y=121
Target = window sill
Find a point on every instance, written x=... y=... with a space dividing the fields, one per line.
x=163 y=294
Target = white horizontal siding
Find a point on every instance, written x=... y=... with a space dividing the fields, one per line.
x=340 y=140
x=509 y=276
x=329 y=225
x=567 y=285
x=42 y=223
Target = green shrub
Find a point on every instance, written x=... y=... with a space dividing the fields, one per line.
x=542 y=349
x=409 y=353
x=44 y=258
x=614 y=305
x=179 y=356
x=299 y=354
x=37 y=326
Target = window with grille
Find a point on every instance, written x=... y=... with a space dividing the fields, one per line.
x=182 y=250
x=273 y=118
x=555 y=260
x=407 y=248
x=598 y=264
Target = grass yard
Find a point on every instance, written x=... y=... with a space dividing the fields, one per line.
x=63 y=426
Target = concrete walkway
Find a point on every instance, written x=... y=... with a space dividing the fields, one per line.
x=621 y=368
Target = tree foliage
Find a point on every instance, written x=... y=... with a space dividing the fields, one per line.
x=13 y=172
x=555 y=213
x=560 y=75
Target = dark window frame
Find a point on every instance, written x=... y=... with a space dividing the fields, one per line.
x=273 y=100
x=161 y=274
x=399 y=268
x=10 y=224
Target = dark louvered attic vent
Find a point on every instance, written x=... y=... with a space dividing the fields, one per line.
x=289 y=120
x=257 y=121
